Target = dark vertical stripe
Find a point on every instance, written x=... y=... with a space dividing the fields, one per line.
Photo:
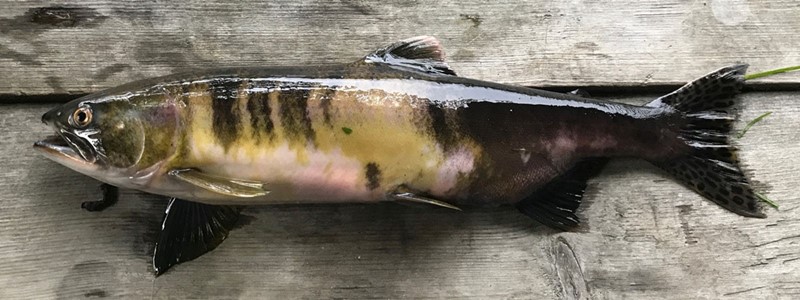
x=294 y=114
x=440 y=130
x=260 y=114
x=326 y=96
x=188 y=118
x=226 y=117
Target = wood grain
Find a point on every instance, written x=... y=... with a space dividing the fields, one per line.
x=643 y=237
x=84 y=46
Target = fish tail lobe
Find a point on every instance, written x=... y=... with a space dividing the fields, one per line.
x=710 y=165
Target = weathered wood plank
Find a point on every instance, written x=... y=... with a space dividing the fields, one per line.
x=84 y=46
x=643 y=237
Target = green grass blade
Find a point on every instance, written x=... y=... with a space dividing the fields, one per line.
x=765 y=199
x=753 y=122
x=771 y=72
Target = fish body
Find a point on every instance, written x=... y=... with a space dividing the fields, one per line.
x=395 y=126
x=324 y=135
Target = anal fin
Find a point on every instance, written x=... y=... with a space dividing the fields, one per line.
x=556 y=202
x=191 y=229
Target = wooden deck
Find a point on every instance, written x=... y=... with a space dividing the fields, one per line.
x=643 y=236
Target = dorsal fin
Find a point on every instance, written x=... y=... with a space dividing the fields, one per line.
x=421 y=53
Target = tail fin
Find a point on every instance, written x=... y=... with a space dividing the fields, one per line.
x=711 y=167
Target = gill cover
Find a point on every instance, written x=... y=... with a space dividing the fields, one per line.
x=119 y=133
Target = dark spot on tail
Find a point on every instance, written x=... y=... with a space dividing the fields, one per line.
x=373 y=174
x=226 y=118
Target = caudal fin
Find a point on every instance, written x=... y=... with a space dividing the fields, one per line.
x=711 y=167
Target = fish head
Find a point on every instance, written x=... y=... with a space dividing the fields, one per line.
x=115 y=138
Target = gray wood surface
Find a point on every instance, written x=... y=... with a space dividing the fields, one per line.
x=83 y=46
x=643 y=237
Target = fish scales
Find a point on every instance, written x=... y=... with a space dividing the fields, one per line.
x=394 y=133
x=422 y=135
x=398 y=125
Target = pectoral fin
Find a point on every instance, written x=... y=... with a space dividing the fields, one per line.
x=225 y=186
x=191 y=229
x=410 y=197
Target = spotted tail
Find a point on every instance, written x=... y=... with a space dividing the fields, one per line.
x=711 y=167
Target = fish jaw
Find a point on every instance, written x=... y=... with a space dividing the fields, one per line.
x=56 y=149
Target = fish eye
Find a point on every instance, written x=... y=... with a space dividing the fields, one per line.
x=82 y=116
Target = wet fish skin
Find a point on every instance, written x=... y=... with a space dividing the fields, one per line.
x=503 y=132
x=396 y=126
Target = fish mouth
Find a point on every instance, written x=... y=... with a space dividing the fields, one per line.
x=66 y=148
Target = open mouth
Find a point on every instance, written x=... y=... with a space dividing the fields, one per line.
x=55 y=145
x=65 y=145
